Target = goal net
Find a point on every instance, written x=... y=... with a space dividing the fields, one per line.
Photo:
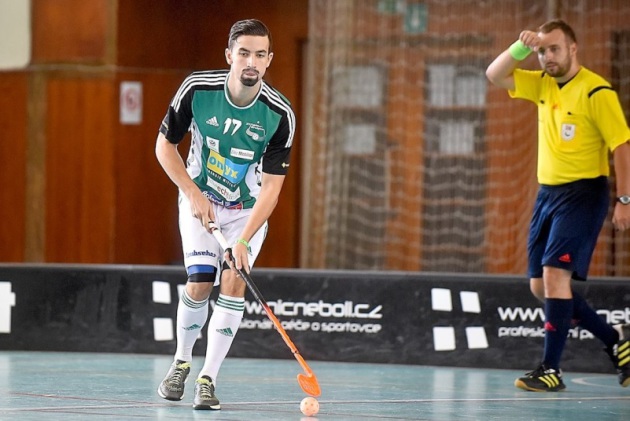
x=413 y=161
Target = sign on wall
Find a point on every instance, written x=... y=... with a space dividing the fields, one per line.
x=130 y=102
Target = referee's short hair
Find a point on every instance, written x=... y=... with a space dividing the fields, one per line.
x=554 y=24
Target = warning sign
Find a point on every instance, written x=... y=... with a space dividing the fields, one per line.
x=130 y=102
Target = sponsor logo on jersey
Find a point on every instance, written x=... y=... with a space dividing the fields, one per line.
x=212 y=122
x=230 y=196
x=242 y=153
x=212 y=197
x=231 y=171
x=212 y=143
x=255 y=131
x=216 y=199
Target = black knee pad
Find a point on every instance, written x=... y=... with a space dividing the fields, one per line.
x=201 y=277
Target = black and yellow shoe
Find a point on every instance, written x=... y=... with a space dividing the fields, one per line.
x=542 y=379
x=172 y=387
x=621 y=354
x=204 y=394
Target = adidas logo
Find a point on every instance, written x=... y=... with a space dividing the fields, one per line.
x=192 y=327
x=565 y=258
x=444 y=336
x=623 y=354
x=213 y=121
x=550 y=379
x=227 y=332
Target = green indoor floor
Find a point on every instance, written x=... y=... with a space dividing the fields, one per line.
x=90 y=386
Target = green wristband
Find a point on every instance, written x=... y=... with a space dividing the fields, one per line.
x=244 y=242
x=519 y=51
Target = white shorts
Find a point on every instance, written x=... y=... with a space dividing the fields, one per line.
x=201 y=248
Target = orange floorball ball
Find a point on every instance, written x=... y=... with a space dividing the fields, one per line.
x=309 y=406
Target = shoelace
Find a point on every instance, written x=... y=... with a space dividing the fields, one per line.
x=176 y=378
x=205 y=390
x=541 y=371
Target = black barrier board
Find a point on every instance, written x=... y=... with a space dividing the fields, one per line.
x=382 y=317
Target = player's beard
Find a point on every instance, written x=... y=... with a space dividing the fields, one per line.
x=249 y=80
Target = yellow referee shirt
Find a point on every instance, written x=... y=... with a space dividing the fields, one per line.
x=577 y=124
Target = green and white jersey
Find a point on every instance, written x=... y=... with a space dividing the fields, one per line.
x=230 y=146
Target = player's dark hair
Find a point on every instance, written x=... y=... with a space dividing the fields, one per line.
x=554 y=24
x=248 y=27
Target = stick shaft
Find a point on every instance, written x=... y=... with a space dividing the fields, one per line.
x=259 y=297
x=285 y=336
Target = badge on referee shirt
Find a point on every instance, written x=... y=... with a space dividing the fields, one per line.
x=568 y=131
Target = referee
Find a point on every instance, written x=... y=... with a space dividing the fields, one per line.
x=579 y=121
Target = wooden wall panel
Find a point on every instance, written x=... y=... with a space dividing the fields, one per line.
x=80 y=175
x=71 y=30
x=169 y=36
x=146 y=229
x=13 y=107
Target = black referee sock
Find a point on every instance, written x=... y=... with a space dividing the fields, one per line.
x=588 y=319
x=558 y=315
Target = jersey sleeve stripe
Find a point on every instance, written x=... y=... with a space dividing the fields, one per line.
x=275 y=99
x=196 y=79
x=599 y=88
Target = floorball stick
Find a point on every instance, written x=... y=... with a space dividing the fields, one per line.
x=308 y=382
